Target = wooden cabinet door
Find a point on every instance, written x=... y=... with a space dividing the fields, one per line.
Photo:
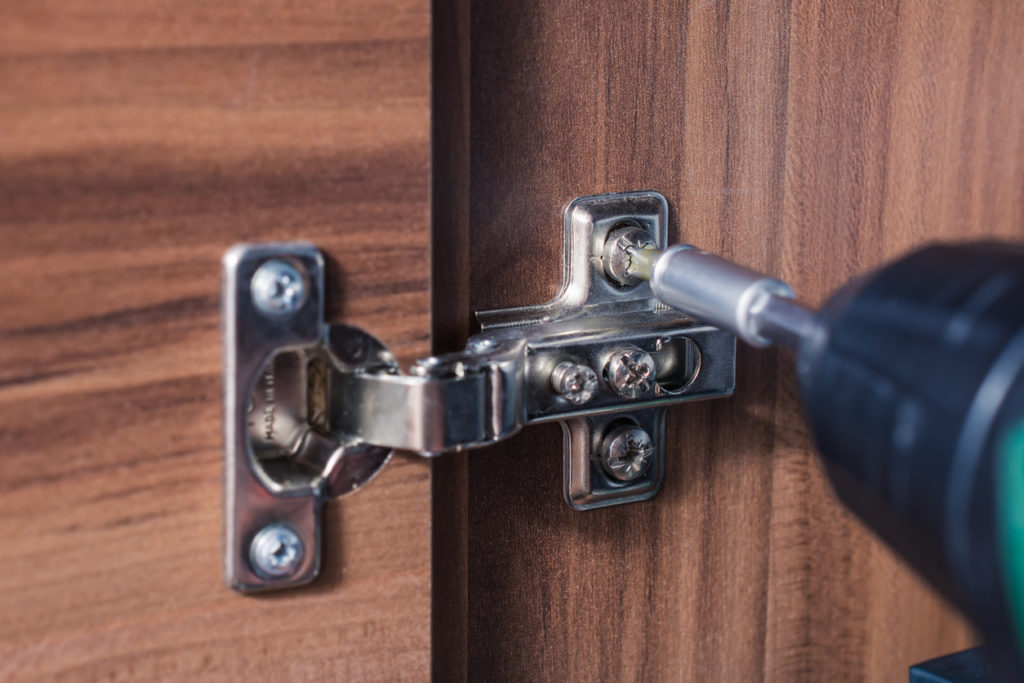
x=808 y=139
x=138 y=141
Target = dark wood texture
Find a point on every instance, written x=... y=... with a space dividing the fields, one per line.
x=138 y=141
x=809 y=139
x=450 y=320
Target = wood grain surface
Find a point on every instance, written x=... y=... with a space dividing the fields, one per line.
x=809 y=139
x=138 y=141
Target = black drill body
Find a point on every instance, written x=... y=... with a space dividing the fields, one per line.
x=911 y=379
x=913 y=385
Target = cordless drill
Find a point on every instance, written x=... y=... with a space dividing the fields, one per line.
x=912 y=380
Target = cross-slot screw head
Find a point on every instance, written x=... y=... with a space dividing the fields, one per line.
x=630 y=372
x=618 y=261
x=574 y=382
x=626 y=452
x=276 y=551
x=278 y=288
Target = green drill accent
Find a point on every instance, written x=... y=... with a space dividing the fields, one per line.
x=1010 y=520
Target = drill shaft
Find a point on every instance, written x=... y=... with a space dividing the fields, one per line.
x=758 y=309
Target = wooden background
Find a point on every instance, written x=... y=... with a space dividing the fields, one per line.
x=138 y=141
x=810 y=139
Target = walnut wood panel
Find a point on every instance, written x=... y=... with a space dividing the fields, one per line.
x=138 y=141
x=809 y=139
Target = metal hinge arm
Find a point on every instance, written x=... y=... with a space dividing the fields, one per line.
x=502 y=381
x=454 y=402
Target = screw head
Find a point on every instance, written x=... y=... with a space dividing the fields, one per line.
x=276 y=551
x=278 y=288
x=618 y=263
x=574 y=382
x=626 y=452
x=630 y=372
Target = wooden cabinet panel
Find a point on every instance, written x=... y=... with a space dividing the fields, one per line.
x=809 y=139
x=138 y=141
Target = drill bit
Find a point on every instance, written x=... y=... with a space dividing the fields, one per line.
x=758 y=309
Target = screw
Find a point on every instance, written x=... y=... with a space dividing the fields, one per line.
x=618 y=259
x=629 y=372
x=626 y=452
x=276 y=551
x=574 y=382
x=277 y=288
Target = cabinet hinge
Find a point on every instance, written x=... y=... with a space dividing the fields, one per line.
x=313 y=410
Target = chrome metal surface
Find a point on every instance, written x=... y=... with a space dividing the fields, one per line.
x=503 y=379
x=282 y=455
x=783 y=321
x=617 y=253
x=630 y=372
x=574 y=382
x=626 y=451
x=278 y=288
x=586 y=224
x=587 y=484
x=593 y=315
x=641 y=260
x=276 y=551
x=313 y=410
x=722 y=293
